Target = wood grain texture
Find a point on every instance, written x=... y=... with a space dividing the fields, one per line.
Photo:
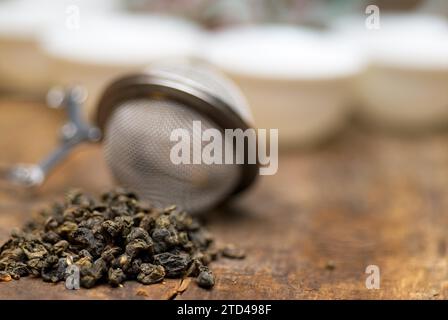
x=309 y=231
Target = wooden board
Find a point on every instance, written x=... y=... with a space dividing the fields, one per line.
x=309 y=231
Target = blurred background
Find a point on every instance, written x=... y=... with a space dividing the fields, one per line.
x=306 y=67
x=360 y=98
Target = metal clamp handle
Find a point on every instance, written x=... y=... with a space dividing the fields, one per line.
x=73 y=133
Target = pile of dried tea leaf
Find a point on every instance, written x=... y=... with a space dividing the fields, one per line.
x=113 y=239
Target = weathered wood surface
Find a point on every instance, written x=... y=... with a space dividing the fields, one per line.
x=364 y=199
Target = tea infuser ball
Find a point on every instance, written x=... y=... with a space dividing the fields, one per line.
x=135 y=119
x=137 y=115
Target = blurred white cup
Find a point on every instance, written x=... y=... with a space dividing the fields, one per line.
x=23 y=68
x=405 y=85
x=113 y=45
x=295 y=80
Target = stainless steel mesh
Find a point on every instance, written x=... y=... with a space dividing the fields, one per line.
x=210 y=80
x=137 y=148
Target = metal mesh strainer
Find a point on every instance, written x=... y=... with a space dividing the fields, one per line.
x=136 y=116
x=209 y=80
x=137 y=148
